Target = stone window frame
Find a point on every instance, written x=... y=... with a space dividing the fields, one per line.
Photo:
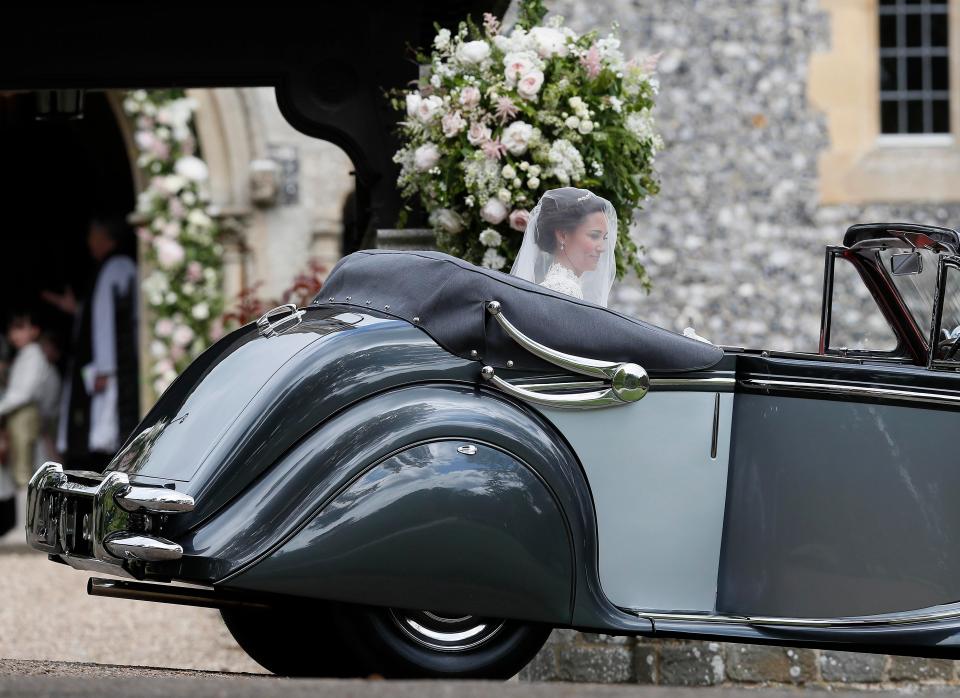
x=861 y=165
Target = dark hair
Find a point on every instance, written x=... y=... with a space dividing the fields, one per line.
x=563 y=209
x=114 y=226
x=24 y=312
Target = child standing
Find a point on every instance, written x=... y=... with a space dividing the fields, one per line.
x=28 y=390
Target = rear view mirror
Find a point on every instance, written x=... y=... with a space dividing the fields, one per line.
x=906 y=264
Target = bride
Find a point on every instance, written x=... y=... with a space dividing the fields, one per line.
x=569 y=245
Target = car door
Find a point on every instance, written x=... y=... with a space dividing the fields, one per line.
x=843 y=474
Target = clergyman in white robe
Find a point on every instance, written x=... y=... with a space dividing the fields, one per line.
x=118 y=275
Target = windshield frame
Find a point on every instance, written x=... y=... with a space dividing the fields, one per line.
x=945 y=264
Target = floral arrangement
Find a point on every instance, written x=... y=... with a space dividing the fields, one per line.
x=183 y=286
x=503 y=117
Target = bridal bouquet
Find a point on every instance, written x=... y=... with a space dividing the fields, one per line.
x=503 y=116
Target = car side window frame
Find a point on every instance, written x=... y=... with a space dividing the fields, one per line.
x=946 y=263
x=898 y=354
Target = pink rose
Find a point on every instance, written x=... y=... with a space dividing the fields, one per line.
x=469 y=97
x=530 y=84
x=164 y=327
x=182 y=335
x=170 y=253
x=478 y=134
x=452 y=124
x=519 y=219
x=194 y=271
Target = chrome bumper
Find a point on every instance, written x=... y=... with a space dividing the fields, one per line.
x=100 y=522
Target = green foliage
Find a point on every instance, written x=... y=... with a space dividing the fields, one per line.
x=530 y=13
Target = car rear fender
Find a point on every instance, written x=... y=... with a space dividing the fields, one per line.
x=438 y=496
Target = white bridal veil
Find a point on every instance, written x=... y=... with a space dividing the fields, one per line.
x=562 y=231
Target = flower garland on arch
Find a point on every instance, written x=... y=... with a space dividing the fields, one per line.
x=183 y=288
x=506 y=116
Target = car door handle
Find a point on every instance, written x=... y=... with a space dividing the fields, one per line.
x=624 y=382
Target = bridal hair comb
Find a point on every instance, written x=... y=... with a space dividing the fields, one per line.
x=582 y=198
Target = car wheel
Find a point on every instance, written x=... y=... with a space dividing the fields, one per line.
x=422 y=644
x=293 y=641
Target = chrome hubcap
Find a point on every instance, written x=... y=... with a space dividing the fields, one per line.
x=446 y=633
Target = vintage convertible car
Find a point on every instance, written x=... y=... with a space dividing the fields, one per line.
x=412 y=477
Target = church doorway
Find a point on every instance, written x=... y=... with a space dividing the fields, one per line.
x=55 y=176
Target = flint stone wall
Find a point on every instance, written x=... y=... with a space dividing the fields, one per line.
x=735 y=239
x=572 y=656
x=735 y=248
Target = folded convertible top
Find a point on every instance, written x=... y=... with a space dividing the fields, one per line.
x=446 y=297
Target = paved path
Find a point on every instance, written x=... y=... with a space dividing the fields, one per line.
x=35 y=679
x=45 y=613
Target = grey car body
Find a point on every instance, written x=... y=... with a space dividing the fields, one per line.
x=425 y=435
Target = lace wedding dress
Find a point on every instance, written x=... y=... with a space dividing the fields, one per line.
x=561 y=278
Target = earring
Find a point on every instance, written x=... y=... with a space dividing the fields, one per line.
x=561 y=247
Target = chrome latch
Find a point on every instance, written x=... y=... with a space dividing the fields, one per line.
x=271 y=329
x=621 y=382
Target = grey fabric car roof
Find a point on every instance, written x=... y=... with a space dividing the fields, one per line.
x=448 y=295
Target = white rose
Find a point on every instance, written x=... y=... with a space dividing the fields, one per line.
x=530 y=84
x=452 y=124
x=533 y=182
x=199 y=218
x=413 y=104
x=428 y=108
x=478 y=134
x=508 y=172
x=548 y=41
x=504 y=195
x=490 y=238
x=469 y=97
x=586 y=126
x=572 y=122
x=516 y=137
x=426 y=156
x=575 y=103
x=473 y=52
x=493 y=212
x=200 y=311
x=191 y=167
x=170 y=253
x=158 y=349
x=448 y=220
x=518 y=64
x=174 y=183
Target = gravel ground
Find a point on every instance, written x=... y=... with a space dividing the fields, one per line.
x=45 y=613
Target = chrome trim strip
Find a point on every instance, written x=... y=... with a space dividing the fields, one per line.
x=907 y=618
x=709 y=383
x=861 y=390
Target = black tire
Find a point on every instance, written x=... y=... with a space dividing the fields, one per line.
x=294 y=641
x=391 y=647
